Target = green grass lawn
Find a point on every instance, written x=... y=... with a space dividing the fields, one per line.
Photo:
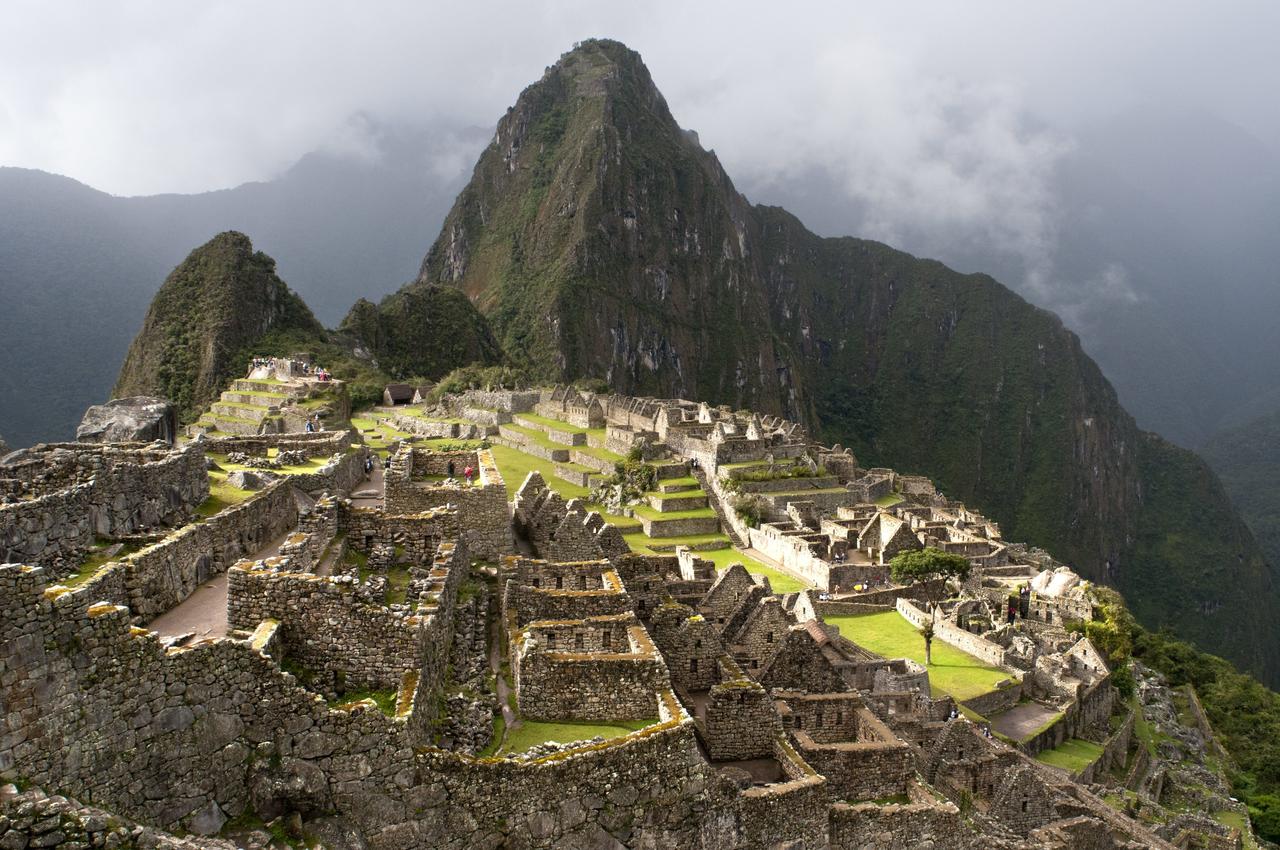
x=952 y=672
x=221 y=495
x=531 y=733
x=639 y=542
x=516 y=465
x=1072 y=755
x=311 y=465
x=889 y=500
x=1236 y=820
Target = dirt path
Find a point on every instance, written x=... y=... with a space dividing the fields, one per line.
x=204 y=612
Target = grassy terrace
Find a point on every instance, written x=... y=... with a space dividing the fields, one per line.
x=530 y=733
x=1072 y=755
x=311 y=465
x=695 y=513
x=221 y=495
x=515 y=466
x=889 y=500
x=952 y=671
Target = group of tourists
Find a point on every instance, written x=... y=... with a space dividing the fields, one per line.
x=1019 y=604
x=313 y=424
x=299 y=367
x=469 y=472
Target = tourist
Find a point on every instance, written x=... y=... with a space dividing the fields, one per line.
x=368 y=465
x=452 y=470
x=467 y=473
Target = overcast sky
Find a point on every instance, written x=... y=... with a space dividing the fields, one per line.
x=146 y=97
x=942 y=119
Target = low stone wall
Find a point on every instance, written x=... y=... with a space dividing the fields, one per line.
x=157 y=578
x=994 y=702
x=438 y=429
x=315 y=444
x=901 y=826
x=977 y=646
x=340 y=475
x=85 y=491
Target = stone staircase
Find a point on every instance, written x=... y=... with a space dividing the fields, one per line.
x=253 y=406
x=701 y=477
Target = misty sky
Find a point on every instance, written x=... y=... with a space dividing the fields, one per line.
x=946 y=119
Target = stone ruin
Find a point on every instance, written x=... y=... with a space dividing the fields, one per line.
x=367 y=651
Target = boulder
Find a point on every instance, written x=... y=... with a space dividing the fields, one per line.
x=248 y=479
x=138 y=419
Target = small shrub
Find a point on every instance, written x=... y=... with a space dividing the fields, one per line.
x=751 y=509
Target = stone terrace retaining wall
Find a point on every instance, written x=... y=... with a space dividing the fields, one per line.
x=155 y=579
x=907 y=825
x=110 y=491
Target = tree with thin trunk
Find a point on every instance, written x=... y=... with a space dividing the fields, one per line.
x=927 y=634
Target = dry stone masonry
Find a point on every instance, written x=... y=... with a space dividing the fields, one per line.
x=382 y=654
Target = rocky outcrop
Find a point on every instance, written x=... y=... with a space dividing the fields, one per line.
x=601 y=240
x=139 y=419
x=221 y=299
x=422 y=331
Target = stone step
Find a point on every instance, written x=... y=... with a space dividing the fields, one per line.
x=655 y=524
x=673 y=502
x=222 y=409
x=530 y=445
x=677 y=485
x=566 y=435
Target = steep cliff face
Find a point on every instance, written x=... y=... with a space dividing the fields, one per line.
x=223 y=298
x=601 y=240
x=422 y=331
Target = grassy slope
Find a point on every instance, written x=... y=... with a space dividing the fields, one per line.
x=952 y=672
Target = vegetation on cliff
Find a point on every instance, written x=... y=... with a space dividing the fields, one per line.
x=422 y=331
x=222 y=298
x=599 y=238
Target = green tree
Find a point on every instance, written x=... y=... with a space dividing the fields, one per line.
x=921 y=564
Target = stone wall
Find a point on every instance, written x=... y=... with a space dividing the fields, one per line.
x=324 y=626
x=482 y=506
x=975 y=645
x=342 y=474
x=740 y=722
x=157 y=578
x=315 y=444
x=68 y=494
x=901 y=826
x=417 y=535
x=185 y=738
x=507 y=401
x=560 y=681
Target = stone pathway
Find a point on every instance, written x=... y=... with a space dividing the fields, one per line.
x=510 y=721
x=203 y=614
x=373 y=483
